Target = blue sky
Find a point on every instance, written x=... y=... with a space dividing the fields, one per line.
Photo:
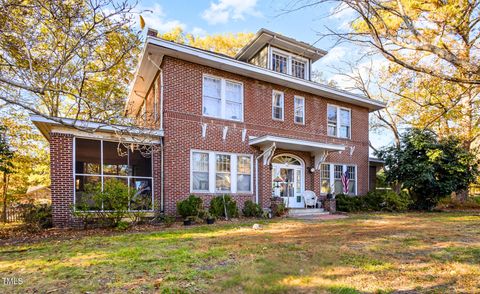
x=222 y=16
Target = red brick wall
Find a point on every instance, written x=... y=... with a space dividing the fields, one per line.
x=61 y=172
x=183 y=119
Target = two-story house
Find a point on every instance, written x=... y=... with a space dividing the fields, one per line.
x=253 y=126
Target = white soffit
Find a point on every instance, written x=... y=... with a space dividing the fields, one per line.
x=294 y=144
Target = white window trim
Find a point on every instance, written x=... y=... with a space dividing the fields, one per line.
x=338 y=108
x=290 y=57
x=283 y=105
x=295 y=98
x=212 y=172
x=223 y=98
x=344 y=169
x=102 y=176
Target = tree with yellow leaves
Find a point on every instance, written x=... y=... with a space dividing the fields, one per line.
x=228 y=44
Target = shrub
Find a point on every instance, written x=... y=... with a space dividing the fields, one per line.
x=450 y=203
x=38 y=216
x=220 y=203
x=279 y=209
x=251 y=209
x=374 y=201
x=189 y=207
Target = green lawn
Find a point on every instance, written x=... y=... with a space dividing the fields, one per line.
x=429 y=253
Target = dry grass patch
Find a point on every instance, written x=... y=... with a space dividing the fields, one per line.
x=372 y=253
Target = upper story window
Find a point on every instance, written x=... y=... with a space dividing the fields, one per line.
x=280 y=63
x=338 y=121
x=222 y=98
x=277 y=105
x=288 y=63
x=299 y=104
x=298 y=68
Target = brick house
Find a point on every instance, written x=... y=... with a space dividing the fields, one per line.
x=253 y=126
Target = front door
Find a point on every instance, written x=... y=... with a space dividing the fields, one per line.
x=287 y=182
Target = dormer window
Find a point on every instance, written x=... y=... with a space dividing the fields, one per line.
x=280 y=63
x=288 y=63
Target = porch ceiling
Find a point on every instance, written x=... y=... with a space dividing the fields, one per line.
x=294 y=144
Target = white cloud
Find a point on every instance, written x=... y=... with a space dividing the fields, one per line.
x=155 y=18
x=224 y=10
x=199 y=32
x=334 y=55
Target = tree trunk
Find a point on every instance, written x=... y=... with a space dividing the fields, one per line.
x=4 y=194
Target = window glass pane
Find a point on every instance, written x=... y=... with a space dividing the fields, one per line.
x=244 y=165
x=200 y=181
x=298 y=69
x=351 y=171
x=211 y=106
x=279 y=63
x=338 y=187
x=332 y=114
x=116 y=193
x=233 y=92
x=299 y=110
x=211 y=87
x=222 y=178
x=87 y=156
x=222 y=182
x=140 y=164
x=277 y=105
x=338 y=171
x=344 y=123
x=200 y=171
x=244 y=183
x=85 y=188
x=200 y=161
x=233 y=110
x=337 y=174
x=211 y=96
x=223 y=163
x=325 y=178
x=115 y=159
x=244 y=173
x=141 y=194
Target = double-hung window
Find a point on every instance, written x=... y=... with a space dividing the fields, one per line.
x=218 y=172
x=277 y=105
x=338 y=121
x=332 y=178
x=288 y=63
x=222 y=98
x=299 y=105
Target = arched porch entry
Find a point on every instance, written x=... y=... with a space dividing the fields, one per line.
x=288 y=179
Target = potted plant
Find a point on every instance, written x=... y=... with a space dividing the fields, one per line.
x=189 y=209
x=188 y=220
x=209 y=218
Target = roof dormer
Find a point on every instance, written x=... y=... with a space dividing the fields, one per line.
x=281 y=54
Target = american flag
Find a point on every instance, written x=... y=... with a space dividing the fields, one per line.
x=345 y=181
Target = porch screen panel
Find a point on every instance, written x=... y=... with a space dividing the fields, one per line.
x=109 y=167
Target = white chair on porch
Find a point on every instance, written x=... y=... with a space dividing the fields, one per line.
x=310 y=199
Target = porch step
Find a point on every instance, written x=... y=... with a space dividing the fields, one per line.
x=295 y=212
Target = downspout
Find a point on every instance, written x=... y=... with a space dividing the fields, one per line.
x=162 y=139
x=161 y=146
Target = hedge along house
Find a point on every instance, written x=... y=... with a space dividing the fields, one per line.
x=254 y=126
